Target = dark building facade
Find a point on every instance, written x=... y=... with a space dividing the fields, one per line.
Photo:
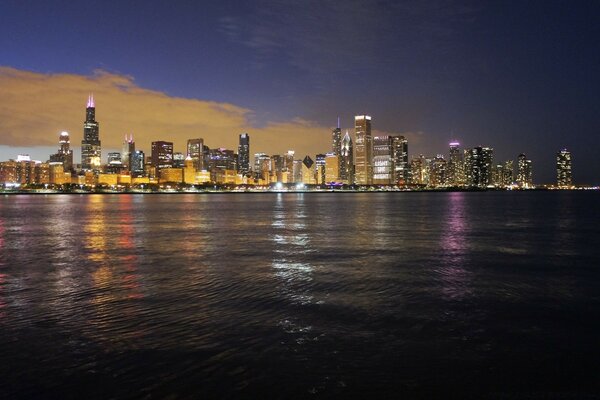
x=243 y=157
x=91 y=148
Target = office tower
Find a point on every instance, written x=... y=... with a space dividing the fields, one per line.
x=277 y=168
x=363 y=148
x=524 y=171
x=437 y=174
x=419 y=167
x=195 y=150
x=64 y=154
x=137 y=163
x=347 y=160
x=478 y=166
x=114 y=158
x=297 y=171
x=126 y=151
x=399 y=155
x=162 y=155
x=509 y=174
x=332 y=168
x=563 y=169
x=91 y=149
x=288 y=166
x=455 y=166
x=382 y=160
x=244 y=155
x=336 y=139
x=262 y=166
x=221 y=163
x=308 y=171
x=320 y=169
x=178 y=160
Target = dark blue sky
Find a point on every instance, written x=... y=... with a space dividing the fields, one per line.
x=516 y=76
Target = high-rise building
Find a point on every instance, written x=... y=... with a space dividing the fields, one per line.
x=420 y=170
x=277 y=167
x=455 y=168
x=336 y=139
x=524 y=171
x=363 y=148
x=91 y=149
x=162 y=155
x=64 y=154
x=400 y=160
x=437 y=174
x=320 y=169
x=127 y=150
x=262 y=166
x=137 y=163
x=347 y=160
x=508 y=173
x=288 y=167
x=308 y=171
x=221 y=163
x=244 y=155
x=178 y=160
x=382 y=160
x=332 y=168
x=563 y=169
x=478 y=166
x=195 y=150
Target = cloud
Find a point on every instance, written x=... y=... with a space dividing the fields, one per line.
x=35 y=107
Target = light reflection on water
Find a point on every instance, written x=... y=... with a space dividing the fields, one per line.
x=295 y=294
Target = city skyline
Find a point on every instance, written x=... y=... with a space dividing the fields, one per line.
x=446 y=72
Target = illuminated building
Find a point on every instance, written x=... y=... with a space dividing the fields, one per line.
x=8 y=172
x=277 y=167
x=419 y=167
x=363 y=150
x=382 y=160
x=91 y=149
x=437 y=173
x=508 y=173
x=399 y=156
x=220 y=160
x=114 y=164
x=243 y=157
x=64 y=154
x=478 y=166
x=455 y=167
x=57 y=173
x=108 y=179
x=297 y=171
x=524 y=171
x=171 y=175
x=336 y=139
x=308 y=171
x=262 y=167
x=162 y=155
x=320 y=169
x=347 y=160
x=42 y=173
x=189 y=171
x=178 y=160
x=137 y=163
x=127 y=150
x=332 y=168
x=563 y=169
x=195 y=150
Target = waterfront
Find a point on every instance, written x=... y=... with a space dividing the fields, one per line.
x=300 y=295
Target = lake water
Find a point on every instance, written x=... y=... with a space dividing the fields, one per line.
x=314 y=295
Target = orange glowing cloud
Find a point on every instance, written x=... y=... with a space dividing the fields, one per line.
x=36 y=107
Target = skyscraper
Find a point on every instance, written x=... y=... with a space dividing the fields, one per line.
x=195 y=150
x=244 y=155
x=64 y=154
x=524 y=171
x=347 y=160
x=400 y=160
x=455 y=166
x=91 y=149
x=137 y=163
x=563 y=169
x=162 y=155
x=127 y=150
x=437 y=174
x=382 y=160
x=478 y=166
x=363 y=145
x=336 y=139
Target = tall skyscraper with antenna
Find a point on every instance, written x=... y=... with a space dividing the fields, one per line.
x=91 y=149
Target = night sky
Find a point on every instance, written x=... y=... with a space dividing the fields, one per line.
x=515 y=76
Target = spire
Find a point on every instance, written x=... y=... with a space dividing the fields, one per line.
x=90 y=103
x=338 y=125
